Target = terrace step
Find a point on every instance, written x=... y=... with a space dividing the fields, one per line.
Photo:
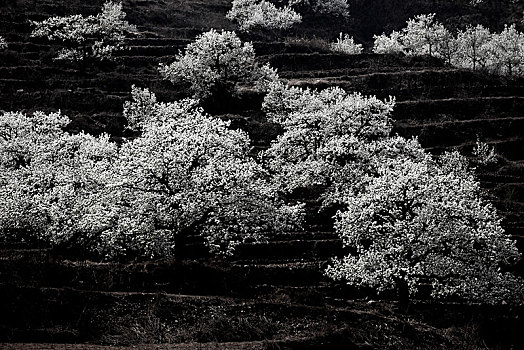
x=297 y=62
x=93 y=313
x=459 y=108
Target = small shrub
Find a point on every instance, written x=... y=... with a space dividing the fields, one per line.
x=484 y=154
x=346 y=44
x=3 y=43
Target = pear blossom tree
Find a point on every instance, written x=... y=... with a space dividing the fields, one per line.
x=51 y=181
x=474 y=45
x=410 y=220
x=507 y=48
x=346 y=44
x=324 y=133
x=423 y=35
x=84 y=37
x=188 y=173
x=388 y=44
x=217 y=59
x=426 y=223
x=251 y=14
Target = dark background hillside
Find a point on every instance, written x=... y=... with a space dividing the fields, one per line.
x=270 y=295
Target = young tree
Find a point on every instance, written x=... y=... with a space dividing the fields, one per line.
x=346 y=44
x=215 y=60
x=384 y=44
x=507 y=49
x=259 y=13
x=95 y=37
x=423 y=35
x=474 y=48
x=426 y=222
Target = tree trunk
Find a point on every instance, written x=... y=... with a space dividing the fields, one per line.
x=402 y=294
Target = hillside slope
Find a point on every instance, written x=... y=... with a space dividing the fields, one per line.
x=270 y=295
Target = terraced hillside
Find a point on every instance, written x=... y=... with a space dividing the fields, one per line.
x=270 y=295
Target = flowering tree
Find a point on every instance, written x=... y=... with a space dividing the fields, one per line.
x=330 y=7
x=188 y=173
x=410 y=219
x=87 y=37
x=255 y=13
x=426 y=222
x=423 y=35
x=50 y=180
x=346 y=44
x=263 y=14
x=384 y=44
x=3 y=43
x=507 y=48
x=216 y=59
x=474 y=45
x=324 y=133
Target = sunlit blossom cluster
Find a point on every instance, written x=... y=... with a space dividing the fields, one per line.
x=186 y=174
x=86 y=37
x=410 y=219
x=475 y=47
x=214 y=60
x=250 y=14
x=346 y=44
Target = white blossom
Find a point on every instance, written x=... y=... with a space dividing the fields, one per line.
x=346 y=44
x=426 y=222
x=260 y=13
x=91 y=36
x=3 y=43
x=384 y=44
x=410 y=220
x=484 y=154
x=217 y=58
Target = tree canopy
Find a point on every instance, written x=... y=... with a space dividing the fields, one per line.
x=409 y=220
x=86 y=37
x=215 y=59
